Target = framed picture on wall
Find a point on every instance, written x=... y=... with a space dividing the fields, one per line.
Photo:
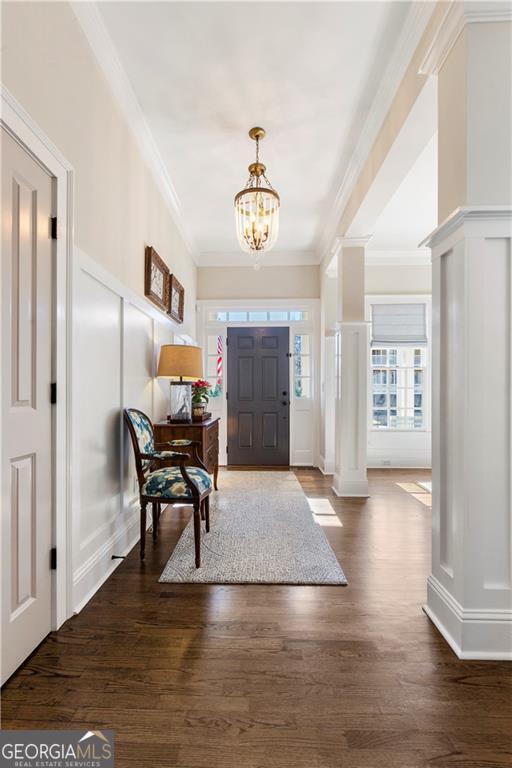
x=156 y=279
x=176 y=299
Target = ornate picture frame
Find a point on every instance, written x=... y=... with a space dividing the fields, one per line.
x=156 y=279
x=176 y=305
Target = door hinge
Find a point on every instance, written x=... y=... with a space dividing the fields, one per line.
x=227 y=449
x=53 y=227
x=226 y=395
x=53 y=392
x=53 y=558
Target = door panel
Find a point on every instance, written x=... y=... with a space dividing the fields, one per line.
x=26 y=302
x=258 y=396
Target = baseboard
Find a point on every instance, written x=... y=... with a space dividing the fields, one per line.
x=326 y=466
x=96 y=570
x=398 y=460
x=401 y=465
x=481 y=634
x=350 y=488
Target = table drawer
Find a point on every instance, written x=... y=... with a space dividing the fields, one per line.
x=212 y=436
x=211 y=457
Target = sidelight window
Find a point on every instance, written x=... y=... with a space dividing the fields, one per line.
x=302 y=365
x=215 y=363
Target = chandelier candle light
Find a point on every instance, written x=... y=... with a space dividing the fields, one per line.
x=257 y=206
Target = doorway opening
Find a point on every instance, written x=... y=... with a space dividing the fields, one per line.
x=301 y=318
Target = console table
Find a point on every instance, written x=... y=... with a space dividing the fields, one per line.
x=205 y=432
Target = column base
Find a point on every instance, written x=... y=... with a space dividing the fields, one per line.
x=326 y=466
x=353 y=488
x=471 y=634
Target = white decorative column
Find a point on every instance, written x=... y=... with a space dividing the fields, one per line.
x=469 y=592
x=470 y=587
x=327 y=335
x=350 y=475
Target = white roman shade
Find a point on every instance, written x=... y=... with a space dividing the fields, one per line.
x=399 y=324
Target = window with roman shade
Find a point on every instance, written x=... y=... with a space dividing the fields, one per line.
x=399 y=324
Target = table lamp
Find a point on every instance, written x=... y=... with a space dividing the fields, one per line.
x=183 y=362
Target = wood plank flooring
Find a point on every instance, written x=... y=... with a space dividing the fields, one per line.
x=202 y=676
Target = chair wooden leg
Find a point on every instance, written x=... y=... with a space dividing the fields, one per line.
x=207 y=513
x=143 y=529
x=155 y=519
x=202 y=510
x=197 y=534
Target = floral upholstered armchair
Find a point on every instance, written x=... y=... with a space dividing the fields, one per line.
x=160 y=483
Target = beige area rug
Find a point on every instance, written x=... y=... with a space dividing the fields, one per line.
x=262 y=532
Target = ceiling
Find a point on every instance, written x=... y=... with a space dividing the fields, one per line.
x=204 y=73
x=411 y=213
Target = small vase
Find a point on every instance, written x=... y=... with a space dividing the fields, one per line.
x=198 y=411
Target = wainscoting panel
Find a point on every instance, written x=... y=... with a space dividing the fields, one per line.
x=116 y=339
x=137 y=382
x=97 y=396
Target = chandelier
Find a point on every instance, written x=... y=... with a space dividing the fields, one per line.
x=257 y=206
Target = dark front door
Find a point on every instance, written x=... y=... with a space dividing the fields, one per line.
x=258 y=396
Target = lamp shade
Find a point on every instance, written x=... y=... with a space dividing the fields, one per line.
x=180 y=360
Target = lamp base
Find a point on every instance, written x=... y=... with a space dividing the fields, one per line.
x=181 y=403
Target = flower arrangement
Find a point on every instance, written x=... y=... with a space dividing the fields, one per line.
x=200 y=392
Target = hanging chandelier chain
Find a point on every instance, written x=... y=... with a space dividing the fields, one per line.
x=268 y=183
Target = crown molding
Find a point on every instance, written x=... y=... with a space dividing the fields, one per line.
x=445 y=38
x=485 y=213
x=103 y=48
x=458 y=14
x=409 y=38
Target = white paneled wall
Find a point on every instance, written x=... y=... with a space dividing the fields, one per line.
x=116 y=338
x=470 y=587
x=138 y=344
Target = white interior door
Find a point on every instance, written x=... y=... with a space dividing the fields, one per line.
x=26 y=322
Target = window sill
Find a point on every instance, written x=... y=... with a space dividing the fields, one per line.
x=393 y=429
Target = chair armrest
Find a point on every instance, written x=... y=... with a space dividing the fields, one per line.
x=170 y=456
x=166 y=455
x=195 y=445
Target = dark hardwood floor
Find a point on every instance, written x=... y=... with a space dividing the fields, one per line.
x=276 y=676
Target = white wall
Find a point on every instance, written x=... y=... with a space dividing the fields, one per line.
x=50 y=69
x=298 y=282
x=398 y=279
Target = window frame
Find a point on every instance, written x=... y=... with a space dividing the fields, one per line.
x=427 y=394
